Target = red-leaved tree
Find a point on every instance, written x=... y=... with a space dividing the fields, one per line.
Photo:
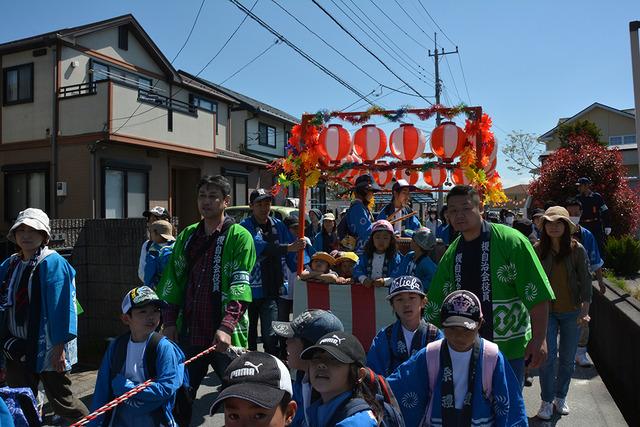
x=583 y=156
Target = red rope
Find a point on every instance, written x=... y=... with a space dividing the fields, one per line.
x=137 y=389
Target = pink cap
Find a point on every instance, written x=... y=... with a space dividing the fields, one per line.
x=382 y=225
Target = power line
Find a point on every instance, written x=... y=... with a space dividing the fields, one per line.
x=135 y=114
x=455 y=86
x=368 y=50
x=298 y=50
x=464 y=78
x=381 y=31
x=413 y=20
x=251 y=62
x=398 y=26
x=436 y=24
x=195 y=21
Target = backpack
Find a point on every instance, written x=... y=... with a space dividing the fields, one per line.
x=489 y=360
x=432 y=332
x=182 y=408
x=378 y=385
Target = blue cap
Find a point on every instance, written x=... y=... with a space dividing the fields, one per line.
x=584 y=180
x=310 y=325
x=405 y=284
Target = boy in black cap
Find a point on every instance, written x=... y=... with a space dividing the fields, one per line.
x=400 y=340
x=461 y=379
x=127 y=363
x=357 y=220
x=256 y=391
x=307 y=328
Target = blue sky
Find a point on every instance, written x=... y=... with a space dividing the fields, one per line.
x=526 y=63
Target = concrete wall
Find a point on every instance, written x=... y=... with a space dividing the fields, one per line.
x=614 y=346
x=85 y=114
x=30 y=121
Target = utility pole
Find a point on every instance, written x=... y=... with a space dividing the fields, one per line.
x=436 y=55
x=634 y=26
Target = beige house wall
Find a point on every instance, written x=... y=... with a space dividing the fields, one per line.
x=85 y=114
x=30 y=121
x=252 y=142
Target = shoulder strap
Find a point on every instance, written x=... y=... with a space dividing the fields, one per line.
x=433 y=367
x=388 y=331
x=348 y=408
x=489 y=361
x=151 y=354
x=432 y=332
x=118 y=355
x=148 y=245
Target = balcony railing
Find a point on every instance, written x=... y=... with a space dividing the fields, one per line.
x=165 y=102
x=82 y=89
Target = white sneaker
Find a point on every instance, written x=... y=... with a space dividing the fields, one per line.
x=561 y=406
x=546 y=411
x=582 y=359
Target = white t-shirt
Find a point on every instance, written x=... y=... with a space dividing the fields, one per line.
x=377 y=266
x=134 y=365
x=408 y=337
x=460 y=364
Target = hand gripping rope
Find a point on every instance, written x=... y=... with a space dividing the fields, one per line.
x=137 y=389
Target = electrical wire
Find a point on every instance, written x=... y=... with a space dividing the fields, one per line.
x=135 y=114
x=455 y=86
x=368 y=50
x=193 y=26
x=413 y=20
x=398 y=26
x=298 y=50
x=251 y=62
x=464 y=78
x=380 y=32
x=436 y=24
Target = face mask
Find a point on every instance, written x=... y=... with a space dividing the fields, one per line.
x=508 y=220
x=575 y=219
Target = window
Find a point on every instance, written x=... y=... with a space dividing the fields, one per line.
x=238 y=181
x=103 y=72
x=18 y=84
x=126 y=192
x=204 y=104
x=622 y=140
x=123 y=37
x=26 y=186
x=266 y=135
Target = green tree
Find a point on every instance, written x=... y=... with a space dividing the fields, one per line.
x=579 y=128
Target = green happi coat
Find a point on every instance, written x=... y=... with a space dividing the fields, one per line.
x=518 y=282
x=238 y=258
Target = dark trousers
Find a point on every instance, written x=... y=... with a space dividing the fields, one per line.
x=57 y=387
x=198 y=368
x=267 y=310
x=285 y=308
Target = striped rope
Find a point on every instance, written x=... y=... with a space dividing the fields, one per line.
x=137 y=389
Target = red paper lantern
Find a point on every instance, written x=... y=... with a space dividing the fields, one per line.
x=383 y=178
x=447 y=141
x=407 y=142
x=412 y=177
x=459 y=178
x=435 y=177
x=370 y=143
x=334 y=143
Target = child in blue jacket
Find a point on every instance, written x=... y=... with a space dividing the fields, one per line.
x=336 y=370
x=152 y=406
x=461 y=379
x=417 y=262
x=380 y=257
x=397 y=342
x=161 y=234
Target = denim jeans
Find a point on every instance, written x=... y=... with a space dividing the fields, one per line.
x=267 y=310
x=552 y=385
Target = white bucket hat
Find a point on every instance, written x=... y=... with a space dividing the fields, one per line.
x=34 y=218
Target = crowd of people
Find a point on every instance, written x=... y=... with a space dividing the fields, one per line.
x=470 y=323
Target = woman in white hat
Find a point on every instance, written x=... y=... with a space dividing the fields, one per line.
x=39 y=322
x=566 y=263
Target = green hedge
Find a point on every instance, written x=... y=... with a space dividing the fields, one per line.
x=622 y=255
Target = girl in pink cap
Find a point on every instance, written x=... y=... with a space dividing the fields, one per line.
x=380 y=257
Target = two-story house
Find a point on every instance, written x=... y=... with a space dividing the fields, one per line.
x=95 y=122
x=618 y=129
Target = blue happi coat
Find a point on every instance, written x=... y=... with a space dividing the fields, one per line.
x=424 y=270
x=411 y=223
x=141 y=410
x=362 y=267
x=319 y=414
x=359 y=224
x=410 y=385
x=58 y=315
x=591 y=246
x=384 y=356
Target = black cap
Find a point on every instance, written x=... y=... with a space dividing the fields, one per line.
x=310 y=325
x=537 y=212
x=461 y=308
x=343 y=346
x=367 y=183
x=257 y=377
x=259 y=194
x=584 y=180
